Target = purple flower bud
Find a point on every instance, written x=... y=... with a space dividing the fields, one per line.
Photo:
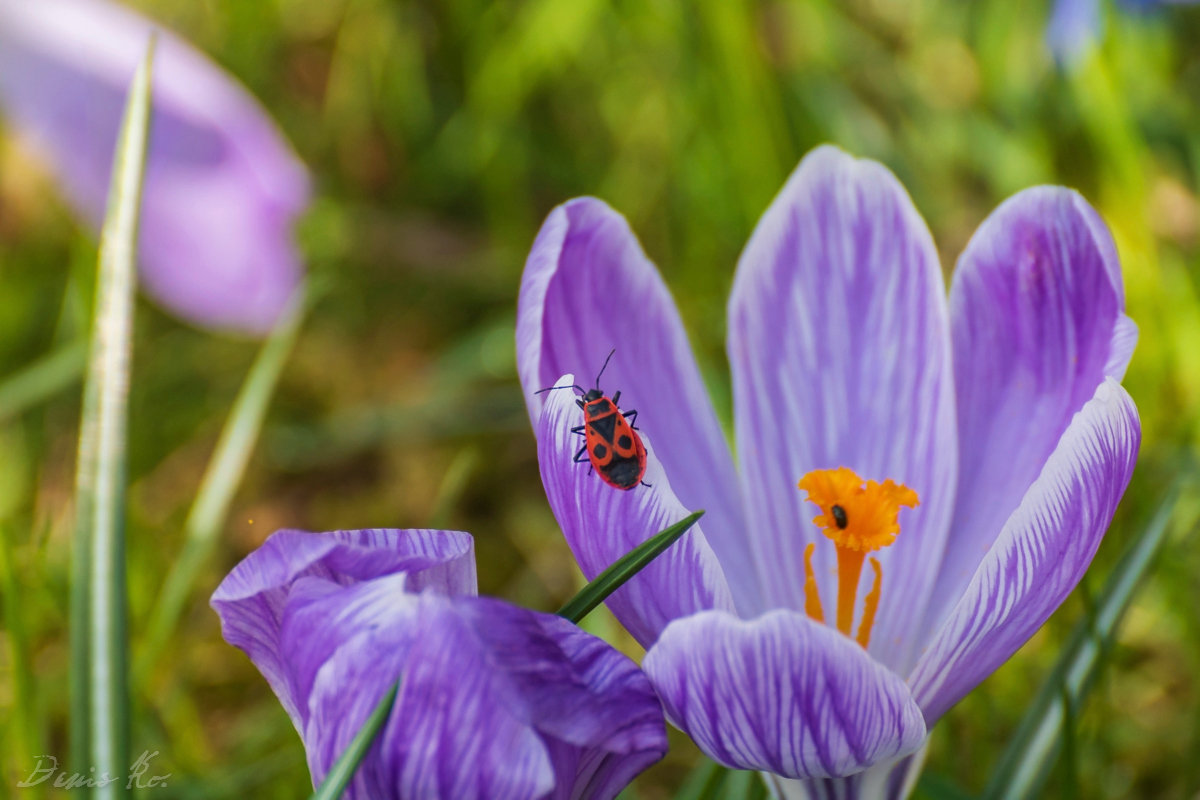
x=223 y=187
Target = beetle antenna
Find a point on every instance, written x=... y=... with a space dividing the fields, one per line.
x=610 y=355
x=569 y=386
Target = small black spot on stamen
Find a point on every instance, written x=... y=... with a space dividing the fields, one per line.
x=839 y=516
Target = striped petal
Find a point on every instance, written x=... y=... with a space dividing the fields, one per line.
x=588 y=289
x=601 y=524
x=1041 y=553
x=1037 y=308
x=496 y=702
x=781 y=694
x=251 y=599
x=839 y=347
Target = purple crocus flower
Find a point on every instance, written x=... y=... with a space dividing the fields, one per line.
x=222 y=185
x=496 y=702
x=991 y=434
x=1076 y=24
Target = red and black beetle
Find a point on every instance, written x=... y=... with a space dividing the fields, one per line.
x=611 y=441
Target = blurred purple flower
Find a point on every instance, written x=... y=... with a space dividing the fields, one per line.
x=495 y=702
x=1076 y=24
x=223 y=187
x=1001 y=409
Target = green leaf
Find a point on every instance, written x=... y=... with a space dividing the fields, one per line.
x=624 y=568
x=221 y=479
x=1026 y=763
x=99 y=680
x=339 y=777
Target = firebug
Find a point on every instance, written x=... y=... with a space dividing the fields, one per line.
x=611 y=441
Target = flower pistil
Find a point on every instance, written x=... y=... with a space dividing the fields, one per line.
x=859 y=517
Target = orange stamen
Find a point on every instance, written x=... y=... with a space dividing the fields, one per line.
x=849 y=568
x=860 y=517
x=870 y=605
x=812 y=598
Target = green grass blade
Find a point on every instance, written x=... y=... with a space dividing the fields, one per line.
x=98 y=658
x=1026 y=763
x=221 y=480
x=339 y=777
x=41 y=380
x=624 y=568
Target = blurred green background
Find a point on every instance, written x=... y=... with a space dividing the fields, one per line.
x=439 y=135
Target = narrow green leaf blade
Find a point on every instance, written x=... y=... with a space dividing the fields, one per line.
x=221 y=479
x=99 y=637
x=339 y=777
x=1026 y=763
x=625 y=568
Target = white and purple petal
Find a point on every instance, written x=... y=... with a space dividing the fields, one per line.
x=588 y=289
x=782 y=694
x=601 y=524
x=1037 y=313
x=252 y=598
x=222 y=185
x=839 y=349
x=1040 y=555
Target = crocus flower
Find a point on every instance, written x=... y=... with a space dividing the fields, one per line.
x=961 y=461
x=1075 y=25
x=495 y=702
x=222 y=185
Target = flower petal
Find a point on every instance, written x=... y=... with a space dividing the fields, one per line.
x=614 y=728
x=587 y=289
x=1040 y=555
x=1074 y=26
x=838 y=343
x=495 y=701
x=601 y=524
x=222 y=185
x=1038 y=322
x=251 y=599
x=782 y=694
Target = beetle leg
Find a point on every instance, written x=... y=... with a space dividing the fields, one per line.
x=578 y=429
x=630 y=416
x=579 y=456
x=617 y=399
x=648 y=486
